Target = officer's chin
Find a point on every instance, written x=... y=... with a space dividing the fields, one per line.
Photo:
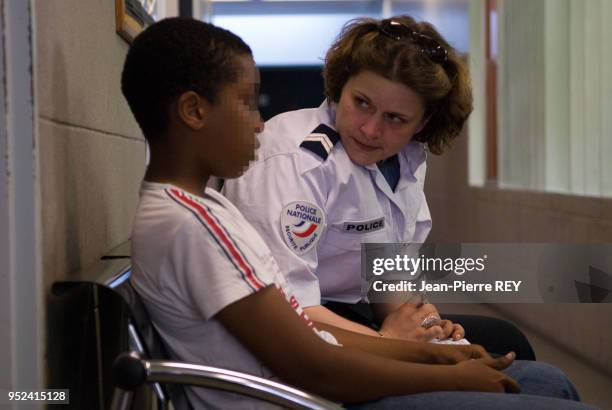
x=362 y=160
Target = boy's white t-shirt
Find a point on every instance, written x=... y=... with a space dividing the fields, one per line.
x=192 y=256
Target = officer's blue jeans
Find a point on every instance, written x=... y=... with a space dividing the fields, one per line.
x=543 y=387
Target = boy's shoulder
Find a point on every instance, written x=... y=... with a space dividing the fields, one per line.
x=184 y=238
x=161 y=203
x=178 y=201
x=167 y=213
x=164 y=212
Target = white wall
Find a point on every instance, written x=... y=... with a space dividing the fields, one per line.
x=21 y=312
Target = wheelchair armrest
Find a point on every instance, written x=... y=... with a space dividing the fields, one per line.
x=131 y=371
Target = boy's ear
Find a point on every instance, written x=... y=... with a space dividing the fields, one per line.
x=192 y=109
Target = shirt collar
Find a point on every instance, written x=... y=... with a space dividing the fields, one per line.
x=327 y=114
x=410 y=159
x=413 y=155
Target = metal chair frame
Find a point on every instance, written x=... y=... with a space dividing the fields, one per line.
x=113 y=273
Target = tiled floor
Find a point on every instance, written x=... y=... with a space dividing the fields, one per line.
x=594 y=387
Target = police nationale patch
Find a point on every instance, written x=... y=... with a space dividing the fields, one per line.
x=302 y=224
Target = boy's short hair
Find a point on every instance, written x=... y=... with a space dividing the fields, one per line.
x=171 y=57
x=445 y=88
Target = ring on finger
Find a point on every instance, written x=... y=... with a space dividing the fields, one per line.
x=430 y=321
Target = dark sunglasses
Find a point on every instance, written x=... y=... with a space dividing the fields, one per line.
x=425 y=44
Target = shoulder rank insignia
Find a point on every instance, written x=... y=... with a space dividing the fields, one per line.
x=321 y=141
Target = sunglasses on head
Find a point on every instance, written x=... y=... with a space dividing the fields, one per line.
x=425 y=44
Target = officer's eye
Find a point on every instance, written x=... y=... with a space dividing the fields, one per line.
x=396 y=119
x=360 y=102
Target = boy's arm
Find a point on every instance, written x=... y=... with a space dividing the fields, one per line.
x=266 y=324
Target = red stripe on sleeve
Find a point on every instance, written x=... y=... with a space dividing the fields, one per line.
x=221 y=236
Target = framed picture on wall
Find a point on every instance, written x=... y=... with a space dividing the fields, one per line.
x=133 y=16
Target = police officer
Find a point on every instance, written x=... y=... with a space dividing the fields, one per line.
x=352 y=171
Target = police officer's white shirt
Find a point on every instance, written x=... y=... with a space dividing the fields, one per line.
x=345 y=193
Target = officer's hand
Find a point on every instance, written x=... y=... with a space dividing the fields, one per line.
x=449 y=329
x=406 y=323
x=419 y=323
x=452 y=330
x=485 y=375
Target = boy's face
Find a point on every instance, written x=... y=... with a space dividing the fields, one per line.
x=233 y=122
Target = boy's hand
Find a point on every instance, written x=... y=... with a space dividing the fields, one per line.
x=450 y=354
x=485 y=375
x=408 y=320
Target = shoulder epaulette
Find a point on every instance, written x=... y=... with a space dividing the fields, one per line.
x=321 y=141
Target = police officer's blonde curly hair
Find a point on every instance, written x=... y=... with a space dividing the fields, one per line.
x=445 y=88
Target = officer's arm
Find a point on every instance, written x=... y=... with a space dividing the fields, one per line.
x=410 y=351
x=381 y=310
x=321 y=314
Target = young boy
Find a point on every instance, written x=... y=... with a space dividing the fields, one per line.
x=208 y=280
